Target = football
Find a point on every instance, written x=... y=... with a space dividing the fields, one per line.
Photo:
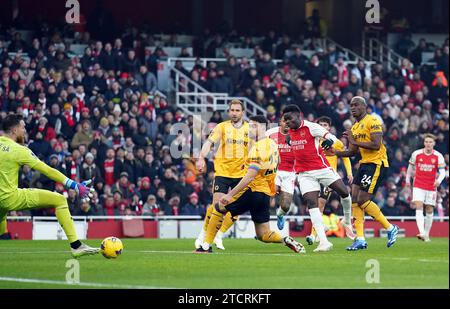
x=111 y=247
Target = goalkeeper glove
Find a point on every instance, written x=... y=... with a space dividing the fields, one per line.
x=84 y=192
x=326 y=144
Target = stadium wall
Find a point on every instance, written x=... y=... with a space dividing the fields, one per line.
x=102 y=229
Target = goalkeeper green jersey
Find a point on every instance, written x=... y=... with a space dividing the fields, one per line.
x=12 y=157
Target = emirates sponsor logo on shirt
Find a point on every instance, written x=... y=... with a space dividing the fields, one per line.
x=426 y=167
x=300 y=144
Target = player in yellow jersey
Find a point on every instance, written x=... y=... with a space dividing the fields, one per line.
x=12 y=156
x=366 y=136
x=232 y=140
x=253 y=191
x=325 y=192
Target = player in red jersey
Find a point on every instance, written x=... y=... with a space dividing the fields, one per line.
x=313 y=170
x=423 y=166
x=285 y=179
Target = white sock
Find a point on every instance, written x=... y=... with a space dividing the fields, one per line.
x=280 y=212
x=317 y=222
x=219 y=235
x=428 y=223
x=420 y=221
x=347 y=207
x=201 y=235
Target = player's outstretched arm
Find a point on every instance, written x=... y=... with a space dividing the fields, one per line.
x=82 y=189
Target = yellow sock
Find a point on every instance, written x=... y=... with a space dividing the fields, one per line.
x=207 y=216
x=373 y=210
x=215 y=222
x=358 y=220
x=3 y=226
x=228 y=222
x=66 y=222
x=52 y=199
x=272 y=236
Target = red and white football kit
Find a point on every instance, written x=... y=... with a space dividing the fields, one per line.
x=285 y=178
x=310 y=162
x=426 y=166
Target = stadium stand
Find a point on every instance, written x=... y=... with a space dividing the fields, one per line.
x=97 y=109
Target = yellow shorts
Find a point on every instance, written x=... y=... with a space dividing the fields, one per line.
x=26 y=199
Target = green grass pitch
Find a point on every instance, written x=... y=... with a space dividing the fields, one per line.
x=246 y=263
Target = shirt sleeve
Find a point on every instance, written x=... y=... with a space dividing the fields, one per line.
x=216 y=133
x=26 y=157
x=50 y=172
x=319 y=131
x=441 y=161
x=254 y=160
x=375 y=126
x=412 y=160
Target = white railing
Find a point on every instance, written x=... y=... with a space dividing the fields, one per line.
x=193 y=98
x=349 y=55
x=197 y=102
x=374 y=49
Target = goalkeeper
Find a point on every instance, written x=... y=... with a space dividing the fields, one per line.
x=13 y=155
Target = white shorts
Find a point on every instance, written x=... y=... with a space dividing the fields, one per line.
x=424 y=196
x=286 y=181
x=310 y=181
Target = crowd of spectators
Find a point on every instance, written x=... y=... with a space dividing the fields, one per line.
x=100 y=115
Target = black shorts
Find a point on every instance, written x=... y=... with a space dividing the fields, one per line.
x=224 y=184
x=370 y=176
x=257 y=203
x=325 y=192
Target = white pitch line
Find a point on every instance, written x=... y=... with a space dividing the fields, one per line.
x=84 y=284
x=433 y=261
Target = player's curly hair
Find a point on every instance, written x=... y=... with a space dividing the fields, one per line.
x=291 y=108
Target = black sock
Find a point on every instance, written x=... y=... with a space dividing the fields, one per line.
x=76 y=244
